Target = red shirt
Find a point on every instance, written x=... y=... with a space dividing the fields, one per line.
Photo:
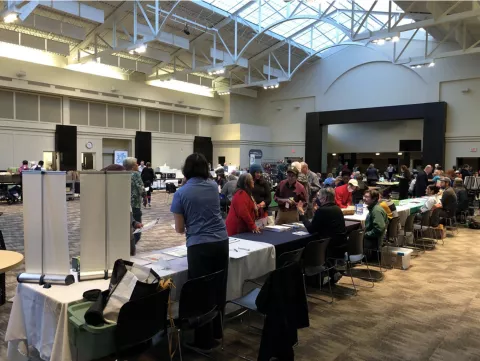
x=241 y=216
x=285 y=191
x=343 y=198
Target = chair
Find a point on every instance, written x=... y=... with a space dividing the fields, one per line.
x=139 y=321
x=290 y=257
x=3 y=291
x=355 y=254
x=169 y=189
x=378 y=251
x=408 y=231
x=392 y=230
x=451 y=220
x=199 y=304
x=420 y=228
x=314 y=262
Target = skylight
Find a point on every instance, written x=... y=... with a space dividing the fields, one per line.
x=307 y=32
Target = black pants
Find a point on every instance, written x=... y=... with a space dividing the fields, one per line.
x=204 y=259
x=137 y=215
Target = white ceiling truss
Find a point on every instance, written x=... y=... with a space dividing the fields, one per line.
x=256 y=43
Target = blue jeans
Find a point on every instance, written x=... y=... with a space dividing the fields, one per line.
x=137 y=215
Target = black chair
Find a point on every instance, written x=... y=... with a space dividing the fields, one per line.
x=378 y=251
x=290 y=257
x=392 y=231
x=315 y=263
x=3 y=290
x=199 y=304
x=451 y=220
x=355 y=255
x=139 y=321
x=421 y=228
x=408 y=231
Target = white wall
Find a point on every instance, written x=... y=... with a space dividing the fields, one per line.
x=360 y=77
x=172 y=151
x=372 y=137
x=243 y=109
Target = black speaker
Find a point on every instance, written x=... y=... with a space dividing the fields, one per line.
x=66 y=146
x=204 y=145
x=143 y=146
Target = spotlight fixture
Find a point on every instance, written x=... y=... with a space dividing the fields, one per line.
x=377 y=153
x=216 y=71
x=393 y=39
x=10 y=18
x=186 y=30
x=396 y=39
x=224 y=93
x=400 y=153
x=380 y=41
x=140 y=50
x=271 y=86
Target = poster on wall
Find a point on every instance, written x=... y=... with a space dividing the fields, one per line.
x=252 y=159
x=119 y=156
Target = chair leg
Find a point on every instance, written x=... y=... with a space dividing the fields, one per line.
x=369 y=273
x=180 y=344
x=350 y=271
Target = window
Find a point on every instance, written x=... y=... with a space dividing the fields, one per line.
x=26 y=106
x=179 y=123
x=152 y=118
x=98 y=114
x=78 y=112
x=132 y=118
x=6 y=104
x=191 y=124
x=166 y=125
x=50 y=109
x=115 y=116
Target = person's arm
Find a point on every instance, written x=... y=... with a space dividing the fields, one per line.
x=225 y=189
x=378 y=225
x=138 y=183
x=315 y=225
x=179 y=223
x=277 y=194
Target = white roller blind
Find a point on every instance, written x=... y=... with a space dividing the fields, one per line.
x=78 y=112
x=6 y=104
x=26 y=106
x=132 y=118
x=115 y=116
x=50 y=109
x=166 y=124
x=98 y=114
x=152 y=120
x=179 y=123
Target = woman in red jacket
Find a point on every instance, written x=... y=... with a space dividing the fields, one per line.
x=243 y=210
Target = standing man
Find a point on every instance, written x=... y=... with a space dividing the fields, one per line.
x=137 y=189
x=289 y=192
x=421 y=182
x=376 y=222
x=343 y=193
x=141 y=167
x=314 y=187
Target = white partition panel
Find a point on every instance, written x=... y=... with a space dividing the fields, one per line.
x=104 y=203
x=118 y=205
x=54 y=216
x=92 y=222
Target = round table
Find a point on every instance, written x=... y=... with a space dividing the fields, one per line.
x=9 y=260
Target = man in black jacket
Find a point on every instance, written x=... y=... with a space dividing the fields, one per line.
x=421 y=182
x=327 y=222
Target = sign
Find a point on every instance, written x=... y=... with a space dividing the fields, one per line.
x=252 y=159
x=119 y=156
x=256 y=152
x=473 y=149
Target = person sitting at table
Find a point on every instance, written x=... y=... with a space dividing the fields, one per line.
x=289 y=192
x=261 y=193
x=357 y=195
x=432 y=200
x=327 y=222
x=329 y=181
x=372 y=175
x=421 y=182
x=343 y=194
x=462 y=196
x=196 y=210
x=449 y=199
x=376 y=221
x=389 y=208
x=243 y=210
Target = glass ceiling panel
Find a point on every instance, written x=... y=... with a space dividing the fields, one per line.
x=273 y=11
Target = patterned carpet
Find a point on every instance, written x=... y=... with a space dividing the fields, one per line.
x=430 y=312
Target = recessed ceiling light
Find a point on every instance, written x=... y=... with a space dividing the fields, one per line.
x=377 y=153
x=334 y=153
x=400 y=153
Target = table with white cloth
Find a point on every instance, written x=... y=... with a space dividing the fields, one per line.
x=39 y=315
x=403 y=213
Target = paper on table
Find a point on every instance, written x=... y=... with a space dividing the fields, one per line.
x=237 y=253
x=233 y=240
x=157 y=256
x=147 y=226
x=301 y=233
x=276 y=228
x=180 y=251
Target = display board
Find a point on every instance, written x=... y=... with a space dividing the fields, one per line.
x=45 y=217
x=104 y=219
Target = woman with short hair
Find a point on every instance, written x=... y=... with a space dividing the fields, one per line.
x=196 y=209
x=243 y=210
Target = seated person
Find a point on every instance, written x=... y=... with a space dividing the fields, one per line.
x=389 y=208
x=343 y=194
x=329 y=181
x=449 y=199
x=432 y=200
x=462 y=195
x=376 y=222
x=357 y=195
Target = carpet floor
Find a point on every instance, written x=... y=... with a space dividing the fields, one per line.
x=430 y=312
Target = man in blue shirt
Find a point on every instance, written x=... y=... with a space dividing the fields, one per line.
x=196 y=209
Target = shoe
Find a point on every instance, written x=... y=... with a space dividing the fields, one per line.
x=149 y=205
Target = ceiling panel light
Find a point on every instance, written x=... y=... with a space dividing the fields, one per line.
x=10 y=18
x=141 y=49
x=183 y=86
x=92 y=67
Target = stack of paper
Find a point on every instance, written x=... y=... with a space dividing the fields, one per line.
x=277 y=228
x=179 y=252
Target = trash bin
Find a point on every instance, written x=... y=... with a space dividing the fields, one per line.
x=89 y=342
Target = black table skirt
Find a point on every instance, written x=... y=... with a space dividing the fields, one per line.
x=287 y=241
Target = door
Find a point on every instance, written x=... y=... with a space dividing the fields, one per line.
x=88 y=161
x=49 y=160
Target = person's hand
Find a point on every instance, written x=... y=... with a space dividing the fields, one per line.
x=315 y=206
x=138 y=225
x=261 y=205
x=292 y=202
x=257 y=230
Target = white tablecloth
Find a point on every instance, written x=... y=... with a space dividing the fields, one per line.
x=39 y=315
x=403 y=213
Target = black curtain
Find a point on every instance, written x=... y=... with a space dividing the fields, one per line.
x=143 y=146
x=204 y=146
x=66 y=146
